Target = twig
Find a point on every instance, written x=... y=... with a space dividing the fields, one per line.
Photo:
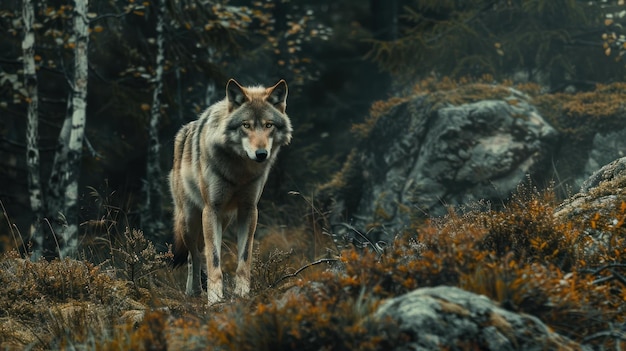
x=54 y=236
x=600 y=269
x=615 y=275
x=13 y=228
x=93 y=151
x=607 y=333
x=287 y=276
x=603 y=280
x=618 y=276
x=376 y=246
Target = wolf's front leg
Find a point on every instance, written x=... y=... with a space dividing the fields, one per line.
x=212 y=229
x=246 y=226
x=195 y=259
x=194 y=263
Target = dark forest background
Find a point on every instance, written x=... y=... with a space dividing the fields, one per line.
x=338 y=57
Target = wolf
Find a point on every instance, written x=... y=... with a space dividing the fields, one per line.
x=221 y=164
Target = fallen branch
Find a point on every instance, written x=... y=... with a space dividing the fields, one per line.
x=287 y=276
x=617 y=335
x=615 y=275
x=602 y=268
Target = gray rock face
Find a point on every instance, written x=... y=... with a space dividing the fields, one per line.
x=613 y=172
x=479 y=150
x=605 y=148
x=602 y=193
x=418 y=159
x=600 y=200
x=449 y=318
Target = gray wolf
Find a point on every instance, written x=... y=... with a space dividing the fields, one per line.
x=221 y=164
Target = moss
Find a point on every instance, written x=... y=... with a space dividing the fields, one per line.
x=439 y=92
x=342 y=178
x=345 y=184
x=380 y=213
x=575 y=115
x=582 y=114
x=470 y=93
x=377 y=110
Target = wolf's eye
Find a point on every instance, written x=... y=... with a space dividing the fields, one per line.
x=245 y=125
x=269 y=125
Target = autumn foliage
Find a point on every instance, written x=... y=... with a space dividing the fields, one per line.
x=519 y=255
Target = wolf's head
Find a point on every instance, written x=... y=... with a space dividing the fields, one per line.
x=257 y=118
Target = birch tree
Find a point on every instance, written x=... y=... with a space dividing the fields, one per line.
x=69 y=236
x=153 y=194
x=55 y=192
x=32 y=124
x=62 y=191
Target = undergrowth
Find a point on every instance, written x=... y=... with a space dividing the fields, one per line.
x=521 y=256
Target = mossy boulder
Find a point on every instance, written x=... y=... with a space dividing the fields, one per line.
x=599 y=206
x=604 y=193
x=425 y=153
x=449 y=318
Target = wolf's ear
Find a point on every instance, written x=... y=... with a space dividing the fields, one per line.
x=234 y=94
x=278 y=95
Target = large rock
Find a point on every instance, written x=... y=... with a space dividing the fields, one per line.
x=421 y=157
x=604 y=149
x=602 y=197
x=448 y=318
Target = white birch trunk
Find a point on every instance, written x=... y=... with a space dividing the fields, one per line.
x=55 y=191
x=69 y=236
x=32 y=126
x=152 y=215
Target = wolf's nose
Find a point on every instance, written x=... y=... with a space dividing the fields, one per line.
x=261 y=155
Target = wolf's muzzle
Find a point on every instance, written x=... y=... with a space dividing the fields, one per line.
x=261 y=155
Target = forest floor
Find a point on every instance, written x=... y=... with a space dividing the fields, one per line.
x=309 y=295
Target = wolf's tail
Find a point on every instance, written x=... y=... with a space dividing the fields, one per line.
x=180 y=254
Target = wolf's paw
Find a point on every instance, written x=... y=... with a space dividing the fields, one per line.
x=242 y=286
x=214 y=297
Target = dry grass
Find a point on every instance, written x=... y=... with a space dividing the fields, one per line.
x=520 y=256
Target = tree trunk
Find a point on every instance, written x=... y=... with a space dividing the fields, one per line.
x=212 y=95
x=55 y=194
x=32 y=125
x=69 y=236
x=152 y=221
